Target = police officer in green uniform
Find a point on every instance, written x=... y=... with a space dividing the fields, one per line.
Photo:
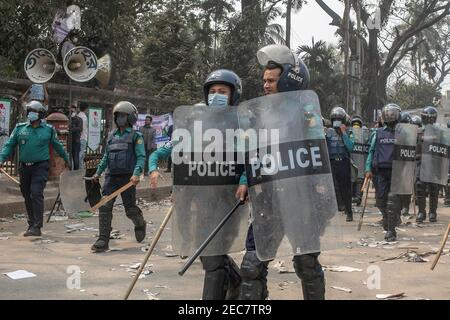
x=123 y=161
x=33 y=138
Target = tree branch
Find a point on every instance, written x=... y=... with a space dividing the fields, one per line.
x=415 y=28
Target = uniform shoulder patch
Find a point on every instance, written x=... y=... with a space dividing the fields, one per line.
x=21 y=124
x=139 y=140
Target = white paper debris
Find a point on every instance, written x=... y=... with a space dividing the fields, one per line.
x=341 y=269
x=342 y=289
x=390 y=295
x=19 y=274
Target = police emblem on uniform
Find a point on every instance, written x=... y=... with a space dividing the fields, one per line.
x=139 y=141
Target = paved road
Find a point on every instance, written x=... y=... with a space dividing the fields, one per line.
x=103 y=277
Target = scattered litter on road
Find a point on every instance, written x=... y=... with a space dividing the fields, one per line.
x=19 y=274
x=19 y=216
x=59 y=218
x=83 y=290
x=409 y=256
x=342 y=289
x=341 y=269
x=5 y=220
x=115 y=249
x=145 y=273
x=78 y=227
x=4 y=238
x=407 y=239
x=151 y=295
x=279 y=265
x=390 y=295
x=83 y=214
x=283 y=285
x=115 y=234
x=44 y=241
x=431 y=234
x=170 y=255
x=373 y=224
x=161 y=286
x=371 y=242
x=74 y=227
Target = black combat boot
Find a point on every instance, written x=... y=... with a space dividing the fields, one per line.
x=102 y=243
x=140 y=225
x=349 y=216
x=433 y=208
x=33 y=232
x=393 y=216
x=421 y=216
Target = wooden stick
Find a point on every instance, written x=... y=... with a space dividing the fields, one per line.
x=414 y=200
x=364 y=184
x=150 y=250
x=444 y=240
x=6 y=174
x=111 y=196
x=364 y=207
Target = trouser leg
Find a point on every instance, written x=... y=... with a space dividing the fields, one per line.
x=309 y=270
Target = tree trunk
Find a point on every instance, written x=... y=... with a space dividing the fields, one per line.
x=288 y=23
x=373 y=101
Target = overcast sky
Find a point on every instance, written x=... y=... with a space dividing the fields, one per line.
x=312 y=21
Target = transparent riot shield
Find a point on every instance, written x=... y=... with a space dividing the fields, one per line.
x=206 y=176
x=404 y=162
x=434 y=163
x=291 y=189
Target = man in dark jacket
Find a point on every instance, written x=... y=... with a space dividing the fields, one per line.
x=149 y=134
x=76 y=126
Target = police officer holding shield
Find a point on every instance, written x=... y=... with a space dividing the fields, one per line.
x=405 y=199
x=222 y=88
x=379 y=164
x=287 y=73
x=424 y=186
x=340 y=145
x=33 y=138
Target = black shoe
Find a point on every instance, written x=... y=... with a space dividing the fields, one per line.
x=421 y=217
x=432 y=216
x=390 y=236
x=100 y=246
x=349 y=217
x=33 y=232
x=140 y=232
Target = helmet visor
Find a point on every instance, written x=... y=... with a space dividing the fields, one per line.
x=390 y=115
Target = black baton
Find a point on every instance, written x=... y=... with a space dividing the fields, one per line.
x=208 y=240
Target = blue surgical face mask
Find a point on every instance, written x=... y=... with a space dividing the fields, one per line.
x=33 y=116
x=337 y=124
x=122 y=121
x=217 y=100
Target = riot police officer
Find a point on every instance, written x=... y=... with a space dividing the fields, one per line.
x=281 y=77
x=359 y=132
x=429 y=117
x=222 y=280
x=340 y=145
x=447 y=188
x=34 y=138
x=405 y=199
x=124 y=161
x=379 y=163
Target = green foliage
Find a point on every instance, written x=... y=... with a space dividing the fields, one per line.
x=412 y=95
x=326 y=78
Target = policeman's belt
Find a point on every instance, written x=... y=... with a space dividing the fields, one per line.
x=29 y=164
